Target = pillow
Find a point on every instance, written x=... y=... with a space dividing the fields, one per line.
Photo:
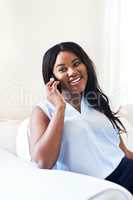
x=8 y=132
x=128 y=138
x=127 y=112
x=22 y=145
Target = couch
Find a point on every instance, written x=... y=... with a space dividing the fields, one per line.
x=21 y=179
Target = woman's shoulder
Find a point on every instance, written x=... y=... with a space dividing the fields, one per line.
x=46 y=107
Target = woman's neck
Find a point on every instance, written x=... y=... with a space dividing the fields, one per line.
x=72 y=98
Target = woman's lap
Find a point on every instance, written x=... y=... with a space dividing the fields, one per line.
x=123 y=175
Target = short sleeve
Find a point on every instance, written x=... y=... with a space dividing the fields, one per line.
x=47 y=107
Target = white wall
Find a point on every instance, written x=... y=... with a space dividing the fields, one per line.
x=28 y=29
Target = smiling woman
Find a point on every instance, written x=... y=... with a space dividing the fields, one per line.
x=74 y=128
x=71 y=72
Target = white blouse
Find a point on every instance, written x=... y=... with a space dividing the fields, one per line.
x=90 y=144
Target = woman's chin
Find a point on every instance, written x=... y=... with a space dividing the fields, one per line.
x=78 y=90
x=73 y=89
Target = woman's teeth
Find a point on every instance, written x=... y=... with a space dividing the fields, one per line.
x=74 y=82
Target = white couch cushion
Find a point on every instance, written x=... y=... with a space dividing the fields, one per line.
x=22 y=180
x=127 y=112
x=22 y=145
x=128 y=137
x=8 y=132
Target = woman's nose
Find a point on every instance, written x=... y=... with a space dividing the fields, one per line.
x=71 y=72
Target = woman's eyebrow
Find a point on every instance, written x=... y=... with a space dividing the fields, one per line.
x=75 y=59
x=61 y=64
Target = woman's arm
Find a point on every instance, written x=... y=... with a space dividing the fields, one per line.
x=127 y=152
x=45 y=134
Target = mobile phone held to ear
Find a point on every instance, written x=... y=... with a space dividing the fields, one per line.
x=59 y=85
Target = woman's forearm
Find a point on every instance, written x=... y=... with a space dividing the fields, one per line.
x=47 y=148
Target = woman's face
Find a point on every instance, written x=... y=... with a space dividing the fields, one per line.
x=71 y=72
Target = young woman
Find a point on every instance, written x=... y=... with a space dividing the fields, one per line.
x=74 y=128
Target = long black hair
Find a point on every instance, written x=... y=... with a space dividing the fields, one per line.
x=93 y=93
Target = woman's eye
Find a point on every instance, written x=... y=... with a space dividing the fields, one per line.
x=77 y=63
x=62 y=70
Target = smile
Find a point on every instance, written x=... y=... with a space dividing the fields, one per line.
x=75 y=81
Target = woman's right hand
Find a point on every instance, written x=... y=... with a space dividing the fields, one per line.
x=53 y=94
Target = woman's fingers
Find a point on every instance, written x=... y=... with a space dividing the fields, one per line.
x=52 y=85
x=55 y=84
x=53 y=94
x=50 y=82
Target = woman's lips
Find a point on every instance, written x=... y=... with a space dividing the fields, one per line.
x=75 y=81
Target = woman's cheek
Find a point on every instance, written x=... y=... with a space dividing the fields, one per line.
x=64 y=85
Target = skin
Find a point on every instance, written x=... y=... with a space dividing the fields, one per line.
x=44 y=141
x=67 y=68
x=128 y=153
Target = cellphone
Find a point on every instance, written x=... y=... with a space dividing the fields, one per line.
x=59 y=85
